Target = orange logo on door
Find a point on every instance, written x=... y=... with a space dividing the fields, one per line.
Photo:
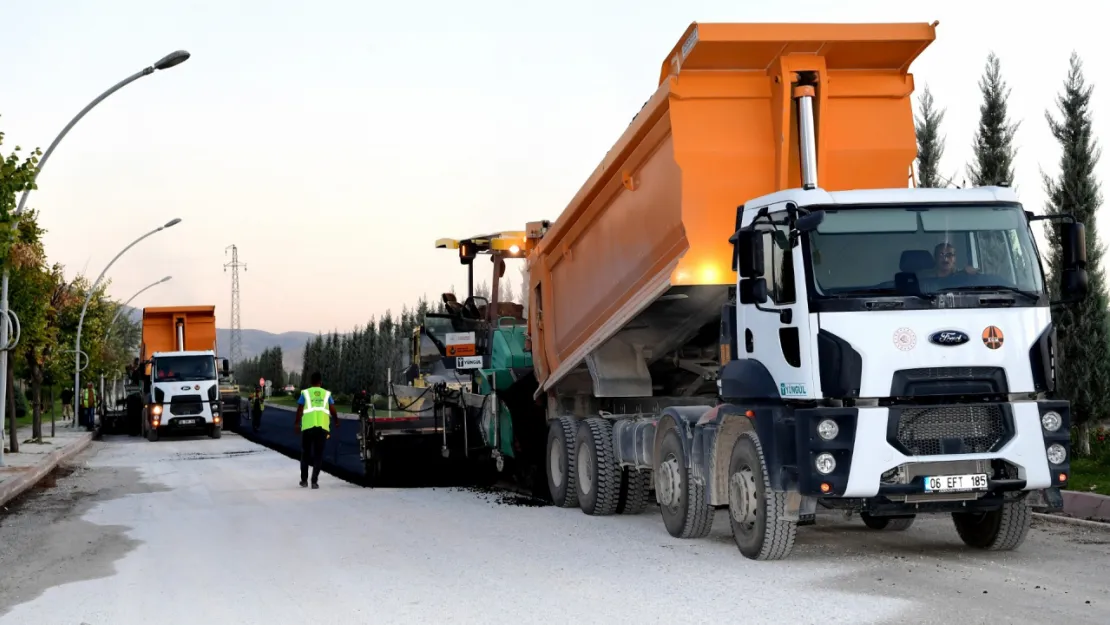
x=992 y=337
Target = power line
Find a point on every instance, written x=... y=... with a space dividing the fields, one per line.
x=236 y=326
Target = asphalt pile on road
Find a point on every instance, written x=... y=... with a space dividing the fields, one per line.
x=504 y=497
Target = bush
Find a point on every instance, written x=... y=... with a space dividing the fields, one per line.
x=1100 y=443
x=342 y=398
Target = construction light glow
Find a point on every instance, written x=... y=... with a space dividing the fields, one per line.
x=514 y=249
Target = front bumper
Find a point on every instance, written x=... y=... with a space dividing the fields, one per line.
x=887 y=451
x=186 y=415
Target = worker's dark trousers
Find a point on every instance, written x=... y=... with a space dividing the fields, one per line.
x=312 y=450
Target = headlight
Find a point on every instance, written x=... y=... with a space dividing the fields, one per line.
x=1051 y=421
x=825 y=463
x=828 y=429
x=1057 y=454
x=156 y=409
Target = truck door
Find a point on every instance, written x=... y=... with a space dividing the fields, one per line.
x=777 y=333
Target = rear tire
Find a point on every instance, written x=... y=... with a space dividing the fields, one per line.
x=635 y=491
x=890 y=524
x=755 y=510
x=1004 y=529
x=562 y=474
x=682 y=503
x=152 y=434
x=599 y=475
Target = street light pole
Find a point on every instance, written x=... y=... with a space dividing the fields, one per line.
x=112 y=324
x=88 y=296
x=172 y=59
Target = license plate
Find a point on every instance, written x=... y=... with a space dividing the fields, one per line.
x=186 y=421
x=955 y=483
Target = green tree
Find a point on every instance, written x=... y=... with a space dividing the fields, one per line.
x=930 y=145
x=994 y=140
x=16 y=176
x=1082 y=327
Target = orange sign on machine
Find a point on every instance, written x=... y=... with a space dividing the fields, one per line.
x=460 y=344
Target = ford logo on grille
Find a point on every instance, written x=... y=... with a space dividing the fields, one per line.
x=185 y=388
x=948 y=338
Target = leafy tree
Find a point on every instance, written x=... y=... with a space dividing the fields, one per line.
x=994 y=141
x=930 y=145
x=1082 y=327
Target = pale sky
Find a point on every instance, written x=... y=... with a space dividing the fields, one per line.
x=333 y=141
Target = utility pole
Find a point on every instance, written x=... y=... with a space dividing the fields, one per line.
x=236 y=326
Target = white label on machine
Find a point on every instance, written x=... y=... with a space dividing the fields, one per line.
x=459 y=338
x=955 y=483
x=468 y=362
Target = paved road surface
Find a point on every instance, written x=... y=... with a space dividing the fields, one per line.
x=217 y=531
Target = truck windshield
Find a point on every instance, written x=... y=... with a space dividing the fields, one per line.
x=873 y=251
x=184 y=368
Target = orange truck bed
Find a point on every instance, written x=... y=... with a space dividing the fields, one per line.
x=160 y=329
x=656 y=215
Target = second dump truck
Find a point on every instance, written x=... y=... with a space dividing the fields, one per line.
x=747 y=307
x=177 y=371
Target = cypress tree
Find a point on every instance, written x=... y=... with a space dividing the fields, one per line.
x=930 y=145
x=1082 y=327
x=994 y=149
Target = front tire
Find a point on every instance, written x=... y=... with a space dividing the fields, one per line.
x=682 y=503
x=756 y=512
x=1004 y=529
x=216 y=431
x=152 y=434
x=599 y=475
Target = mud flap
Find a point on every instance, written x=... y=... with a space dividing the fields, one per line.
x=1046 y=500
x=800 y=508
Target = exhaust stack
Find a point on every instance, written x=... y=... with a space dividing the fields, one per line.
x=807 y=135
x=180 y=335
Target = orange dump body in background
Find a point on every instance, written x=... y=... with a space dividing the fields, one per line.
x=160 y=329
x=656 y=215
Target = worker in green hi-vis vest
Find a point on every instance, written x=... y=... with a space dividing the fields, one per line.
x=315 y=410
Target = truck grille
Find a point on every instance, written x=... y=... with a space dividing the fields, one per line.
x=186 y=405
x=935 y=430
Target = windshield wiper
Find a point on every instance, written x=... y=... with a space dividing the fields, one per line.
x=887 y=291
x=1009 y=289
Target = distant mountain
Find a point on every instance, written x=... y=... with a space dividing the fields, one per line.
x=255 y=341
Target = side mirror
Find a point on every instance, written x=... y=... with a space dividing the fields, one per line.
x=810 y=221
x=748 y=253
x=1073 y=284
x=226 y=366
x=1073 y=245
x=753 y=291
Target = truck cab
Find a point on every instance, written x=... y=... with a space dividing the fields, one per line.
x=184 y=394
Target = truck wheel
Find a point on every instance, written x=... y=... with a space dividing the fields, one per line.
x=152 y=434
x=1004 y=529
x=635 y=491
x=599 y=475
x=682 y=502
x=755 y=510
x=562 y=475
x=216 y=431
x=892 y=524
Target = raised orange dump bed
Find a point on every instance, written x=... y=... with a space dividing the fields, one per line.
x=720 y=130
x=160 y=329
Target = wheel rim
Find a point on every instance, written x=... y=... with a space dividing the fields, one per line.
x=555 y=455
x=743 y=503
x=668 y=483
x=585 y=469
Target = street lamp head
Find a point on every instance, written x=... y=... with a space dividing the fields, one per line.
x=166 y=279
x=172 y=222
x=172 y=59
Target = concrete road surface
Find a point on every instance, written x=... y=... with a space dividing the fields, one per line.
x=217 y=531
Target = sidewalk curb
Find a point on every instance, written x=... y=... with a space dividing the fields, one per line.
x=1053 y=518
x=15 y=487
